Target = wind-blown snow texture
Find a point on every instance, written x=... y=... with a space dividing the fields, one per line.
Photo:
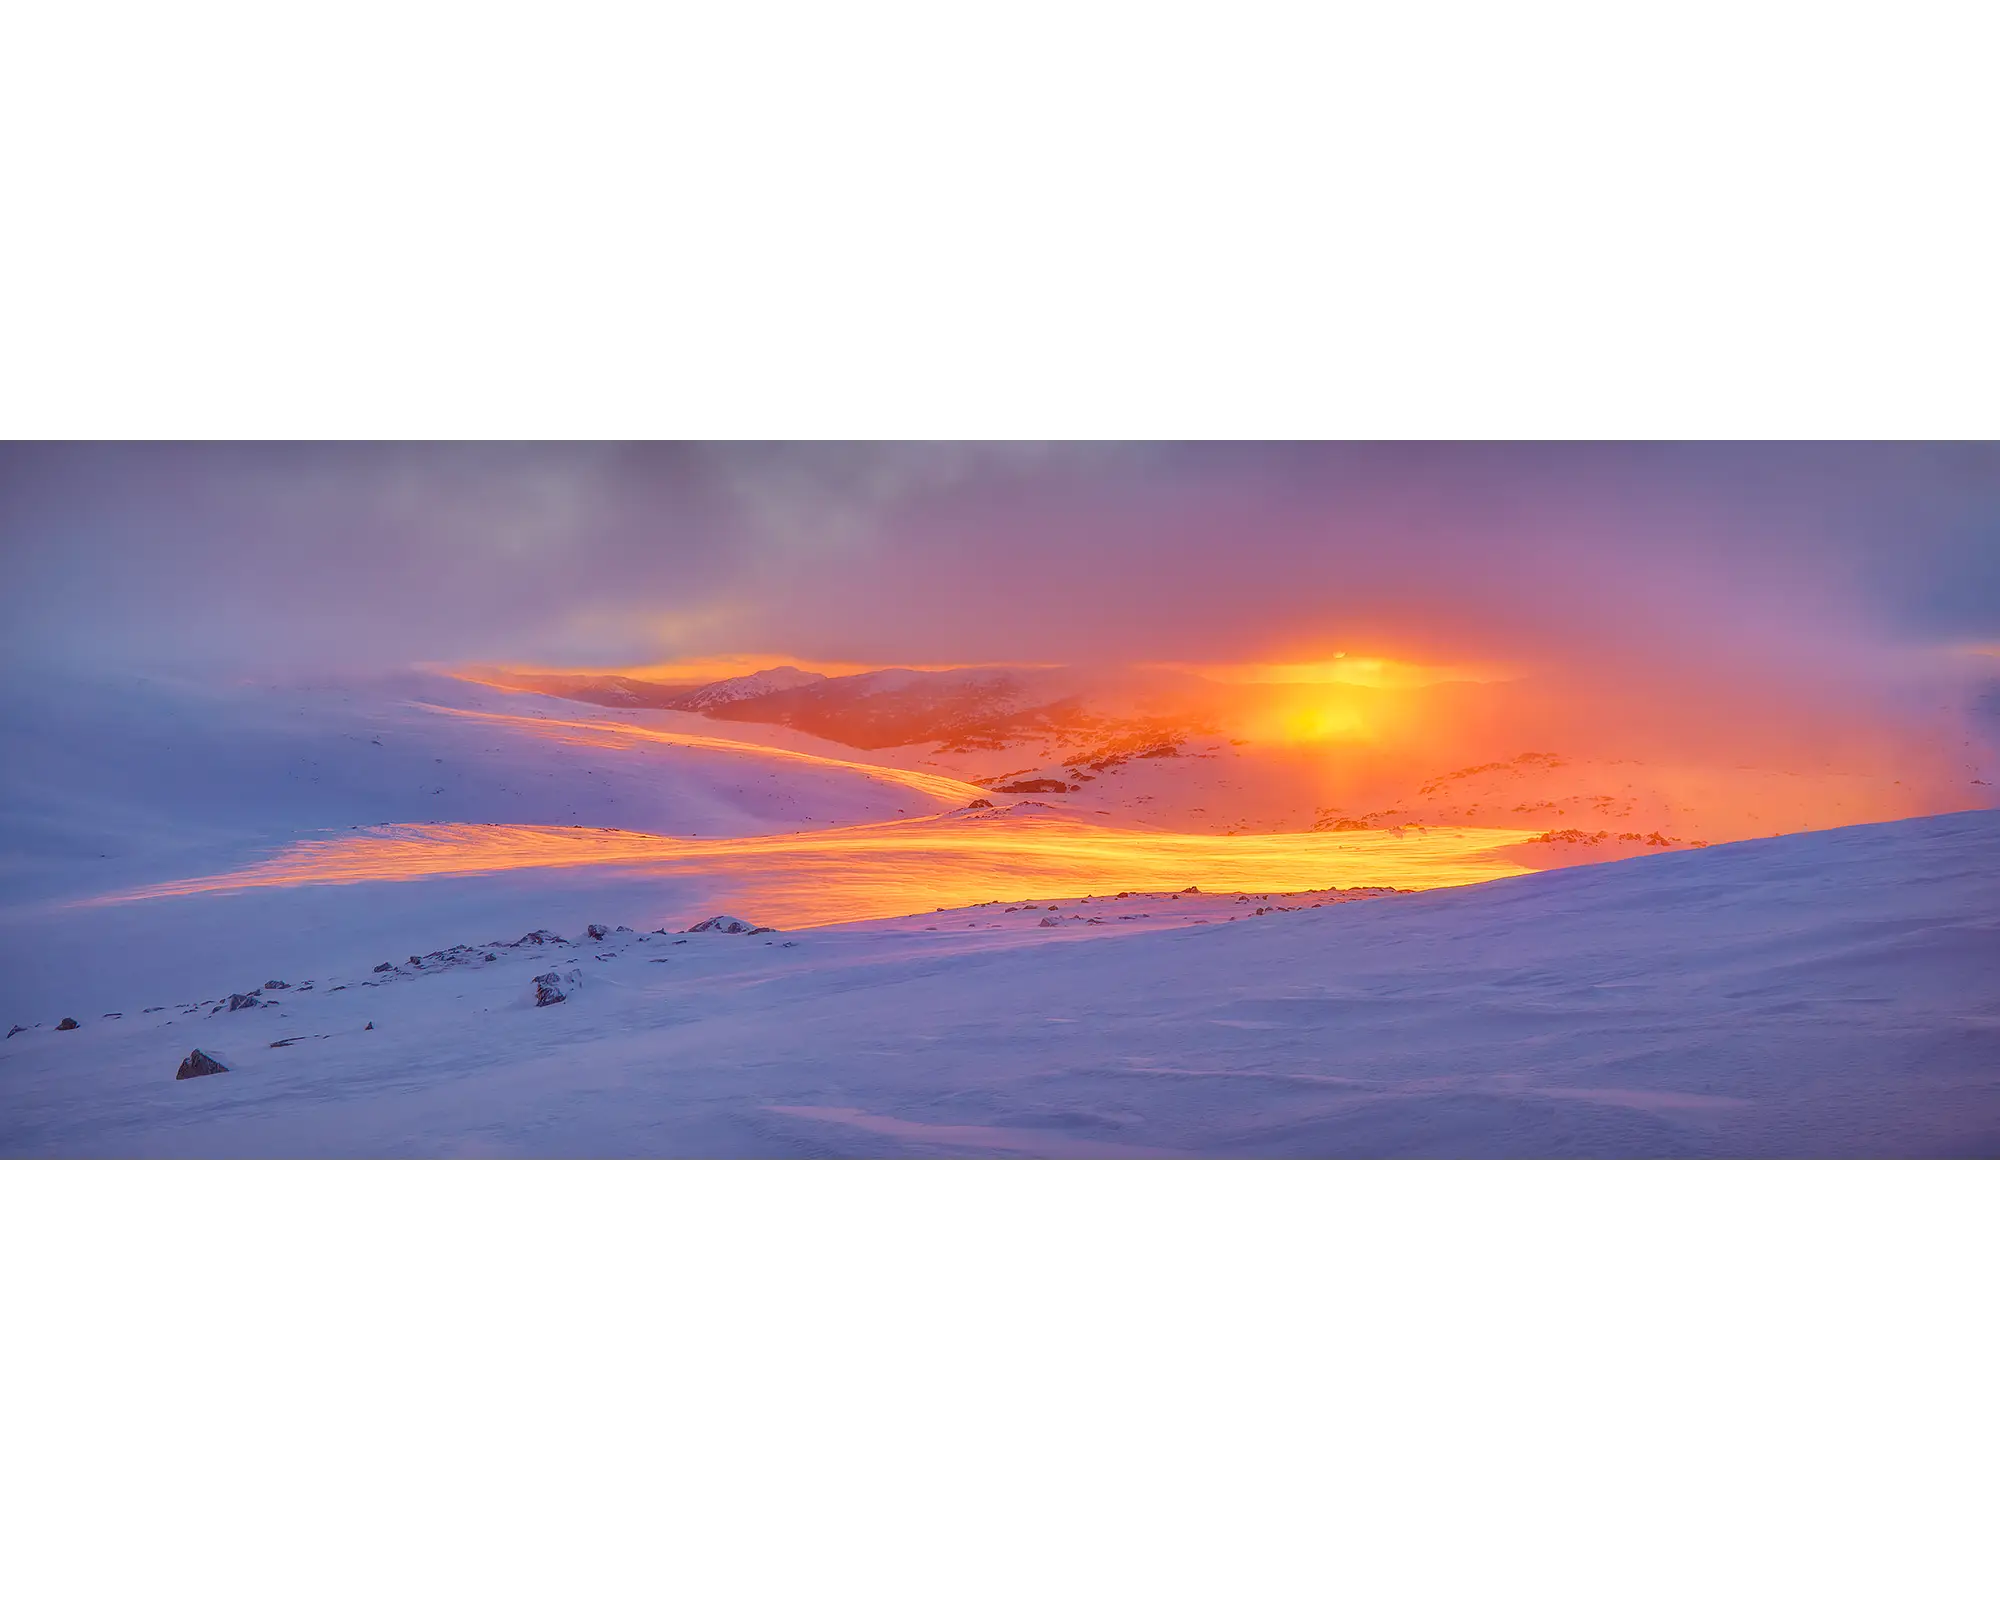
x=1830 y=994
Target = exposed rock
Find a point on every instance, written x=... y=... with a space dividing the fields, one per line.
x=17 y=1028
x=369 y=1029
x=722 y=922
x=548 y=989
x=1051 y=922
x=490 y=956
x=540 y=936
x=243 y=1002
x=979 y=805
x=386 y=966
x=276 y=983
x=66 y=1024
x=596 y=930
x=1033 y=786
x=199 y=1064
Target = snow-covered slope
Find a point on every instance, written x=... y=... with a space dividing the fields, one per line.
x=1831 y=994
x=116 y=783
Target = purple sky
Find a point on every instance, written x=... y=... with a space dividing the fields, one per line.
x=1801 y=559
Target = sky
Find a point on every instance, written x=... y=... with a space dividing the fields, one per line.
x=1825 y=564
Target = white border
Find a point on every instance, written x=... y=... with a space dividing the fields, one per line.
x=1061 y=220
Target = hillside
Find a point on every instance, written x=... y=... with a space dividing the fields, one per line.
x=1830 y=994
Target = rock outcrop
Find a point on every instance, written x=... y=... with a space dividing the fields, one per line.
x=66 y=1025
x=722 y=922
x=548 y=989
x=199 y=1064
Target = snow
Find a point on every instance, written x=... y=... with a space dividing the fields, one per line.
x=1825 y=994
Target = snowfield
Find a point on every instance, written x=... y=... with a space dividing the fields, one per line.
x=1828 y=994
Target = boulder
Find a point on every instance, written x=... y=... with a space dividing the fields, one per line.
x=596 y=930
x=1051 y=922
x=386 y=966
x=17 y=1028
x=722 y=923
x=243 y=1002
x=199 y=1064
x=276 y=983
x=66 y=1024
x=548 y=989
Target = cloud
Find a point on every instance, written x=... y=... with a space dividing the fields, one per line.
x=1814 y=560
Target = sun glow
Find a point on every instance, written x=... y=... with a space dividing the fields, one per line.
x=1363 y=672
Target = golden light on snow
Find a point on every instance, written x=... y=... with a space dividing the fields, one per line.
x=894 y=868
x=598 y=735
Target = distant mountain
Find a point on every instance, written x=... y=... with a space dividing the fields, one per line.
x=964 y=708
x=612 y=689
x=751 y=686
x=956 y=708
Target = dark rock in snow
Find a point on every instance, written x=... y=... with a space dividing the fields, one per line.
x=387 y=966
x=17 y=1028
x=490 y=956
x=243 y=1002
x=548 y=989
x=66 y=1024
x=199 y=1064
x=540 y=936
x=723 y=923
x=369 y=1029
x=597 y=930
x=113 y=1016
x=276 y=983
